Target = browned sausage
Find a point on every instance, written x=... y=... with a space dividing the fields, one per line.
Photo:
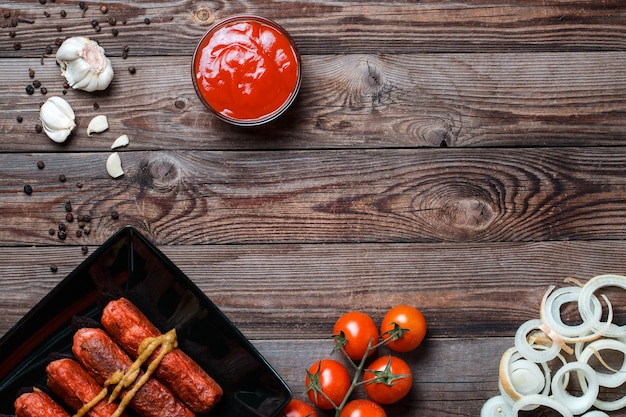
x=192 y=385
x=38 y=404
x=101 y=357
x=71 y=382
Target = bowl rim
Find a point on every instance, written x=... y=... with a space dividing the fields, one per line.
x=270 y=116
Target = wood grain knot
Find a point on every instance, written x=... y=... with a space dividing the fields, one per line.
x=457 y=210
x=160 y=173
x=204 y=15
x=366 y=86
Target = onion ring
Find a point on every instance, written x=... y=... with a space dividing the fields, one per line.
x=538 y=400
x=527 y=350
x=610 y=380
x=587 y=377
x=551 y=313
x=496 y=407
x=584 y=303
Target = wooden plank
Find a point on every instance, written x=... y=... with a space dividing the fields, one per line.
x=331 y=27
x=452 y=377
x=402 y=195
x=283 y=292
x=347 y=101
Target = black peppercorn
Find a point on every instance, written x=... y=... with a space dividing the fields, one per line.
x=97 y=29
x=62 y=227
x=58 y=41
x=132 y=70
x=36 y=83
x=54 y=268
x=96 y=106
x=81 y=224
x=51 y=232
x=28 y=189
x=115 y=215
x=45 y=13
x=31 y=73
x=42 y=1
x=41 y=164
x=87 y=218
x=84 y=249
x=63 y=13
x=146 y=20
x=38 y=128
x=66 y=85
x=82 y=5
x=48 y=49
x=17 y=46
x=59 y=28
x=62 y=234
x=115 y=32
x=62 y=178
x=79 y=233
x=68 y=206
x=94 y=23
x=30 y=89
x=79 y=185
x=69 y=217
x=12 y=34
x=19 y=119
x=44 y=90
x=87 y=230
x=112 y=21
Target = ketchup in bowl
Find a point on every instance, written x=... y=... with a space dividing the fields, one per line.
x=246 y=70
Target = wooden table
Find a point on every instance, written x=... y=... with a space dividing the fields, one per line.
x=457 y=156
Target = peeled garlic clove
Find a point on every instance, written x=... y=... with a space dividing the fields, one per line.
x=114 y=165
x=121 y=141
x=97 y=125
x=57 y=119
x=84 y=64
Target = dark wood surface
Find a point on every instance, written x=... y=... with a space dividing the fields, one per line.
x=457 y=156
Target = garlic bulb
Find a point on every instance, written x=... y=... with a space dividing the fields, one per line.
x=57 y=119
x=84 y=65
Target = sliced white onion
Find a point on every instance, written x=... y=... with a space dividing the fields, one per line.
x=585 y=303
x=534 y=352
x=595 y=413
x=538 y=400
x=496 y=407
x=613 y=379
x=586 y=377
x=519 y=376
x=610 y=405
x=551 y=313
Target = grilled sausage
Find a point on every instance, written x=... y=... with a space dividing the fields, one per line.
x=128 y=326
x=71 y=382
x=38 y=404
x=101 y=357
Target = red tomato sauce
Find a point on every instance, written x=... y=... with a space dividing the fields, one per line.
x=246 y=69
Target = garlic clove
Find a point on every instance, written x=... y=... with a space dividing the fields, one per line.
x=57 y=119
x=120 y=142
x=114 y=165
x=97 y=125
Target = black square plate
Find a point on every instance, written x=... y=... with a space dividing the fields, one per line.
x=129 y=265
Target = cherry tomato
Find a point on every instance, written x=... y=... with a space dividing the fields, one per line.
x=354 y=331
x=298 y=408
x=362 y=408
x=387 y=380
x=329 y=377
x=407 y=327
